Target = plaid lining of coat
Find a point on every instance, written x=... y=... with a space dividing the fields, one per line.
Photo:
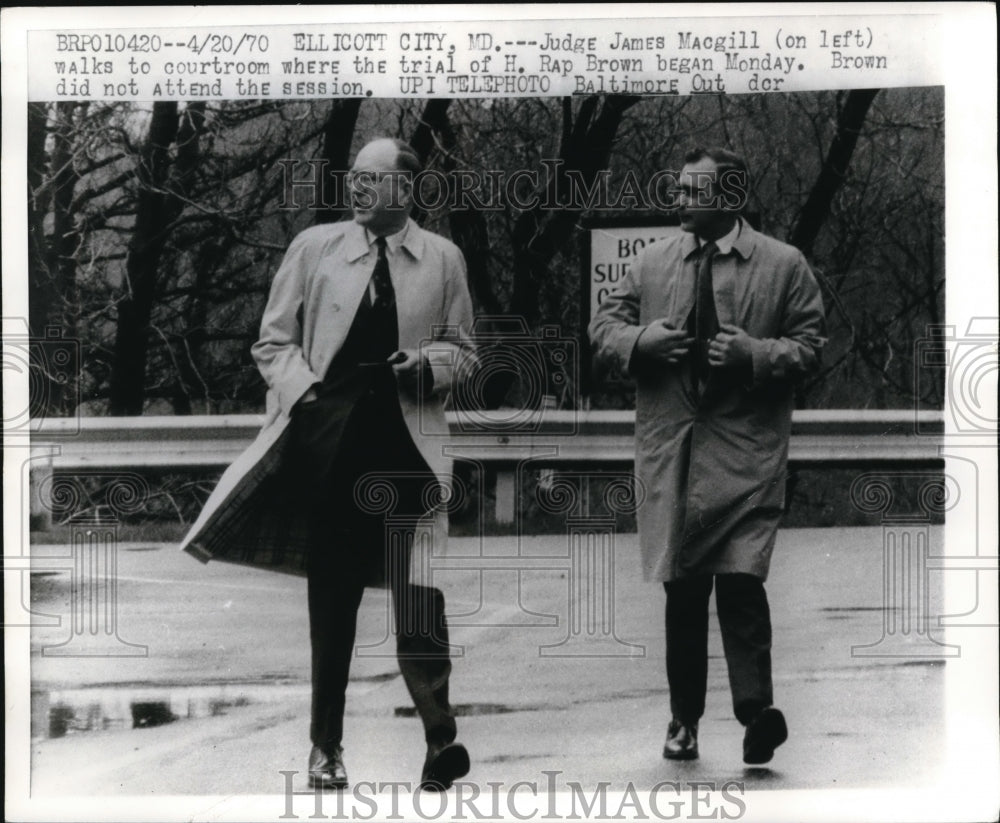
x=257 y=524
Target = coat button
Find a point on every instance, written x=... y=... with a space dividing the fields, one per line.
x=335 y=307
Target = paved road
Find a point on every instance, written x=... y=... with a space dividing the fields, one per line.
x=227 y=654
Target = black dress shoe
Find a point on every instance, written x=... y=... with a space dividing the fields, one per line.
x=682 y=741
x=764 y=734
x=326 y=768
x=443 y=765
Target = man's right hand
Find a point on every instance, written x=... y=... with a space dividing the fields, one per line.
x=661 y=342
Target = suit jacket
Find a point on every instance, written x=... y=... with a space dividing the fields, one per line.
x=313 y=300
x=711 y=464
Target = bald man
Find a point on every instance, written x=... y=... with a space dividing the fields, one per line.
x=366 y=325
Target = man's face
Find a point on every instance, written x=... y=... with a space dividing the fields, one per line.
x=700 y=204
x=380 y=191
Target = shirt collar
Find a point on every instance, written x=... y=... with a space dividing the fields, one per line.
x=393 y=242
x=725 y=243
x=736 y=239
x=361 y=241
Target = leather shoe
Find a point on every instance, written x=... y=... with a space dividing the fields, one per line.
x=764 y=734
x=682 y=741
x=326 y=768
x=444 y=763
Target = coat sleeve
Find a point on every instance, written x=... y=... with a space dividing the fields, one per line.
x=615 y=327
x=278 y=352
x=802 y=331
x=451 y=352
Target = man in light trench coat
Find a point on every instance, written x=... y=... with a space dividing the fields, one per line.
x=365 y=331
x=716 y=325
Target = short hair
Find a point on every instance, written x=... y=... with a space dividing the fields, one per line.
x=726 y=161
x=407 y=158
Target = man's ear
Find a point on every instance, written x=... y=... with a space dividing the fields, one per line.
x=406 y=191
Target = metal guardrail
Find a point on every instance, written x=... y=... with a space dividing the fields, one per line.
x=818 y=436
x=498 y=439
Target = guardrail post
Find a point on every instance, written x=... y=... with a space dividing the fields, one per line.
x=39 y=474
x=506 y=491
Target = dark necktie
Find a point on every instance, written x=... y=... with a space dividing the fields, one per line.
x=384 y=307
x=706 y=322
x=385 y=297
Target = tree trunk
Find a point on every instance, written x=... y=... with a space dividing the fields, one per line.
x=42 y=291
x=850 y=118
x=539 y=235
x=338 y=134
x=467 y=224
x=53 y=298
x=128 y=371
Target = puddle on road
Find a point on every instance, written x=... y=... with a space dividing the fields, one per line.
x=60 y=712
x=838 y=609
x=470 y=709
x=57 y=713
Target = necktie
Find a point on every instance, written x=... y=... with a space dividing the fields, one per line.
x=706 y=322
x=385 y=296
x=384 y=307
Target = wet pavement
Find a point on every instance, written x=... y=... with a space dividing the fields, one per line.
x=201 y=684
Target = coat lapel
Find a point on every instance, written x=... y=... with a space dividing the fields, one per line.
x=341 y=282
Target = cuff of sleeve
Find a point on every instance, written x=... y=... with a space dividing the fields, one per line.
x=439 y=366
x=447 y=365
x=630 y=358
x=761 y=361
x=425 y=383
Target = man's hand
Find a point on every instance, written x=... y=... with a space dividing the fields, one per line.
x=660 y=341
x=407 y=364
x=404 y=362
x=731 y=347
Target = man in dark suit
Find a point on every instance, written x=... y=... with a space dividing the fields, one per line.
x=365 y=325
x=716 y=325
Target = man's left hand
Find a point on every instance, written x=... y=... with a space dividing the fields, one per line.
x=407 y=364
x=730 y=347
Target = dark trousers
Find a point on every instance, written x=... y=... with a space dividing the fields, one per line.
x=335 y=590
x=745 y=621
x=352 y=548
